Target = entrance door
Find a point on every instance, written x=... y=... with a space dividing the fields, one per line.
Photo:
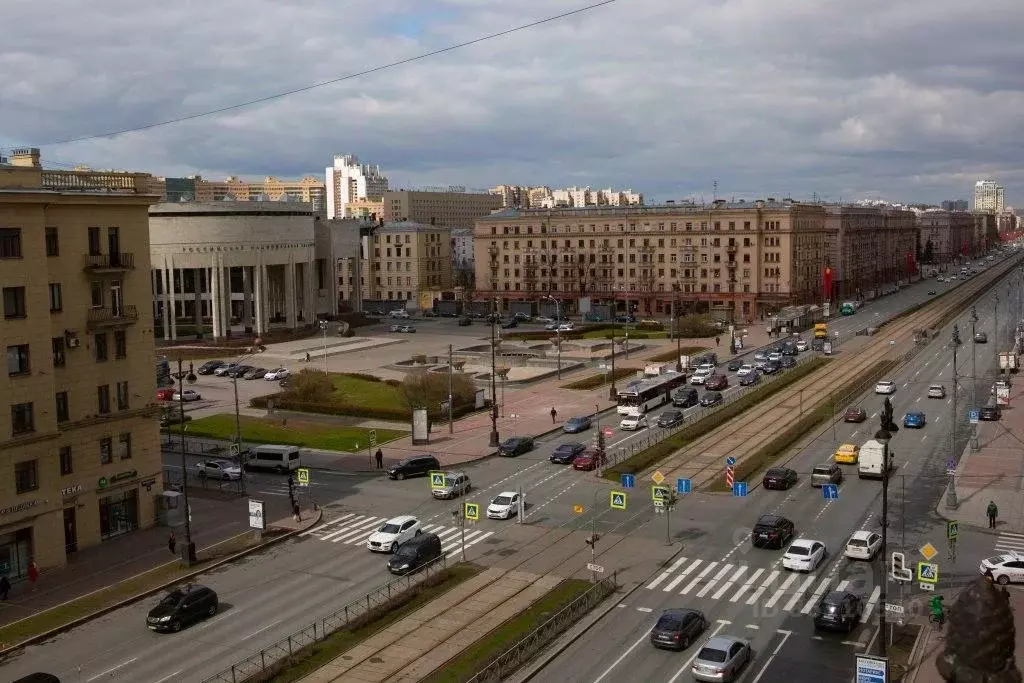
x=114 y=246
x=70 y=531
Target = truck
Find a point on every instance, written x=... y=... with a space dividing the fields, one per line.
x=869 y=463
x=820 y=332
x=1009 y=361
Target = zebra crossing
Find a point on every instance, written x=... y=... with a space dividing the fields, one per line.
x=742 y=584
x=1008 y=542
x=353 y=529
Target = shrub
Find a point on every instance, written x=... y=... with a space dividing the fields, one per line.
x=425 y=390
x=651 y=325
x=363 y=376
x=310 y=385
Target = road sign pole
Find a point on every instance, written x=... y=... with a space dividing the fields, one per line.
x=463 y=525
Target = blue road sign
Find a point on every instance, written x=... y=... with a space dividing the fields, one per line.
x=872 y=669
x=739 y=488
x=628 y=481
x=683 y=486
x=974 y=415
x=730 y=461
x=830 y=491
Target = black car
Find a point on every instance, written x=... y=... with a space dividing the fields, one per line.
x=516 y=445
x=710 y=398
x=239 y=371
x=772 y=531
x=788 y=350
x=182 y=606
x=750 y=379
x=685 y=397
x=788 y=362
x=209 y=366
x=734 y=365
x=990 y=413
x=670 y=418
x=465 y=321
x=414 y=466
x=771 y=367
x=625 y=319
x=509 y=324
x=415 y=553
x=838 y=611
x=678 y=628
x=980 y=338
x=567 y=452
x=779 y=478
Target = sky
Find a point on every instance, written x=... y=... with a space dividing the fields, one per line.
x=830 y=99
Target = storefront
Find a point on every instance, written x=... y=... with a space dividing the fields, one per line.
x=119 y=509
x=15 y=553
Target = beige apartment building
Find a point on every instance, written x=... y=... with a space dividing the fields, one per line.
x=739 y=259
x=364 y=209
x=450 y=209
x=309 y=189
x=871 y=249
x=946 y=236
x=80 y=456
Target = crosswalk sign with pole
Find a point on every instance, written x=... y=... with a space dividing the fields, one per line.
x=660 y=493
x=472 y=511
x=302 y=476
x=437 y=480
x=618 y=500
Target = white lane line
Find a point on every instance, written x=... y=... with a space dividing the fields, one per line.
x=665 y=574
x=746 y=585
x=818 y=592
x=782 y=590
x=711 y=584
x=842 y=585
x=255 y=633
x=111 y=670
x=700 y=577
x=453 y=544
x=646 y=610
x=871 y=604
x=768 y=662
x=754 y=627
x=167 y=678
x=799 y=593
x=764 y=586
x=679 y=579
x=729 y=584
x=445 y=533
x=625 y=654
x=689 y=662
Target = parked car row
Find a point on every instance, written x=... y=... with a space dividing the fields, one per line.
x=219 y=368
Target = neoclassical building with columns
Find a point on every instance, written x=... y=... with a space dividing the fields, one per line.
x=235 y=267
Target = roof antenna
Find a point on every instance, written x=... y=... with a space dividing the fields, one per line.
x=714 y=185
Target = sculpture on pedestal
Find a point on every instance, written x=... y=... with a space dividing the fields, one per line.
x=980 y=637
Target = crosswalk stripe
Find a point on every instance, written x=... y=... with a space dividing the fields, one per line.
x=842 y=585
x=711 y=584
x=746 y=585
x=665 y=574
x=446 y=533
x=799 y=593
x=456 y=541
x=707 y=570
x=871 y=604
x=763 y=587
x=818 y=592
x=679 y=579
x=361 y=537
x=323 y=527
x=351 y=525
x=458 y=546
x=355 y=530
x=729 y=584
x=781 y=591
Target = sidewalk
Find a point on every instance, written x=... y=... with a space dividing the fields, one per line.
x=410 y=649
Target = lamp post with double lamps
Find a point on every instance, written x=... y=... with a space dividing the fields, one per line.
x=495 y=438
x=188 y=552
x=254 y=350
x=887 y=427
x=974 y=377
x=558 y=333
x=323 y=328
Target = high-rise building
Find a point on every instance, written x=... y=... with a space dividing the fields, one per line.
x=955 y=205
x=988 y=196
x=448 y=209
x=80 y=457
x=349 y=181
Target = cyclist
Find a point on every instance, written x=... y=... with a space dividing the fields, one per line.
x=938 y=610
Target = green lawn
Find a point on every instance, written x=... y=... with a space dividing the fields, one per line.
x=305 y=434
x=353 y=389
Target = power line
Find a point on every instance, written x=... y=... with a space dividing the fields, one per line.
x=321 y=84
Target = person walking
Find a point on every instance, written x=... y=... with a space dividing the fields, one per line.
x=992 y=512
x=554 y=415
x=5 y=587
x=296 y=512
x=172 y=543
x=718 y=341
x=33 y=573
x=379 y=457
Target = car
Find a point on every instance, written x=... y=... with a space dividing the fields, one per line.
x=504 y=506
x=465 y=321
x=413 y=466
x=779 y=478
x=847 y=454
x=937 y=391
x=771 y=367
x=393 y=533
x=803 y=555
x=670 y=418
x=209 y=366
x=217 y=469
x=716 y=382
x=256 y=373
x=676 y=629
x=277 y=374
x=914 y=419
x=990 y=413
x=521 y=315
x=838 y=611
x=567 y=452
x=772 y=530
x=455 y=484
x=552 y=326
x=685 y=397
x=750 y=380
x=404 y=329
x=721 y=659
x=863 y=545
x=224 y=369
x=931 y=292
x=789 y=349
x=735 y=365
x=760 y=358
x=238 y=371
x=399 y=313
x=775 y=355
x=566 y=327
x=187 y=396
x=181 y=606
x=1006 y=568
x=510 y=324
x=801 y=345
x=787 y=362
x=515 y=445
x=700 y=375
x=631 y=423
x=886 y=386
x=590 y=459
x=165 y=394
x=826 y=473
x=980 y=338
x=745 y=369
x=575 y=425
x=710 y=398
x=855 y=414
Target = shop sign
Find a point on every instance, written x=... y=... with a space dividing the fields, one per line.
x=148 y=483
x=71 y=490
x=18 y=507
x=104 y=482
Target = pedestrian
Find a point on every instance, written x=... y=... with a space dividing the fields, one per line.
x=993 y=512
x=33 y=573
x=379 y=457
x=5 y=587
x=718 y=341
x=296 y=512
x=307 y=356
x=554 y=415
x=171 y=543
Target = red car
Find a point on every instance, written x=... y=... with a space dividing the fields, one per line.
x=716 y=383
x=165 y=394
x=855 y=414
x=588 y=460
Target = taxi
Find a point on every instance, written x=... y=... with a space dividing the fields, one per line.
x=847 y=454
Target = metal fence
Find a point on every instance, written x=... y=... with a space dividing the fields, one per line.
x=262 y=661
x=512 y=659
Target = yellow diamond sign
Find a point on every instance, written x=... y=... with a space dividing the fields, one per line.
x=657 y=478
x=578 y=509
x=928 y=550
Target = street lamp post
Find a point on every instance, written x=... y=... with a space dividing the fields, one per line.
x=883 y=436
x=675 y=331
x=951 y=500
x=255 y=349
x=188 y=552
x=323 y=328
x=558 y=333
x=495 y=439
x=974 y=378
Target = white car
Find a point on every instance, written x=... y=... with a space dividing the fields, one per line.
x=745 y=370
x=399 y=313
x=801 y=345
x=804 y=555
x=886 y=386
x=393 y=533
x=276 y=374
x=702 y=373
x=863 y=545
x=937 y=391
x=774 y=356
x=218 y=469
x=504 y=506
x=186 y=396
x=1006 y=568
x=224 y=369
x=565 y=327
x=631 y=423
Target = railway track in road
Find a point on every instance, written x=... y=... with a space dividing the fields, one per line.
x=744 y=435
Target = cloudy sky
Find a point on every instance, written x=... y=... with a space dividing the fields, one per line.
x=911 y=100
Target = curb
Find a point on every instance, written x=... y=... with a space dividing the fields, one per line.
x=914 y=661
x=31 y=640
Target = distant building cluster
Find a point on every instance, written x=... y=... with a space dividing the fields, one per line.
x=955 y=205
x=523 y=197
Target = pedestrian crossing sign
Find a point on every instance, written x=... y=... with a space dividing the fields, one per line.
x=437 y=480
x=659 y=493
x=952 y=529
x=927 y=572
x=618 y=500
x=472 y=511
x=302 y=476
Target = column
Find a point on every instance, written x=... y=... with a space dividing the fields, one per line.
x=289 y=293
x=311 y=289
x=165 y=294
x=173 y=299
x=224 y=274
x=247 y=299
x=215 y=302
x=197 y=277
x=260 y=277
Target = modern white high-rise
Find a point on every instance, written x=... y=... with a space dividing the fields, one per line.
x=349 y=181
x=988 y=196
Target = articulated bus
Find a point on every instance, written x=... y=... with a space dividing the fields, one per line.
x=643 y=395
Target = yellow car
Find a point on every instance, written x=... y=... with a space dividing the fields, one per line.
x=847 y=454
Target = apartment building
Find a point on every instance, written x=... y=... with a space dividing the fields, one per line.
x=349 y=181
x=520 y=197
x=871 y=248
x=946 y=236
x=309 y=189
x=988 y=196
x=448 y=209
x=740 y=259
x=80 y=456
x=364 y=209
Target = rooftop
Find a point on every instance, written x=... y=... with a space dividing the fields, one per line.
x=290 y=208
x=647 y=210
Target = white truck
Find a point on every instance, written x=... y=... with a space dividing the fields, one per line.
x=870 y=461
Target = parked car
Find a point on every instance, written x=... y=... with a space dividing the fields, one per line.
x=567 y=452
x=413 y=466
x=566 y=327
x=716 y=383
x=676 y=629
x=803 y=555
x=710 y=398
x=575 y=425
x=863 y=545
x=238 y=371
x=403 y=329
x=256 y=373
x=886 y=386
x=590 y=459
x=393 y=533
x=209 y=366
x=465 y=321
x=914 y=419
x=826 y=473
x=520 y=315
x=399 y=313
x=515 y=445
x=631 y=423
x=751 y=379
x=224 y=369
x=277 y=374
x=510 y=324
x=670 y=418
x=721 y=659
x=735 y=365
x=838 y=611
x=990 y=413
x=455 y=484
x=847 y=454
x=855 y=414
x=217 y=469
x=182 y=606
x=937 y=391
x=685 y=397
x=165 y=394
x=187 y=396
x=980 y=338
x=504 y=506
x=772 y=531
x=779 y=478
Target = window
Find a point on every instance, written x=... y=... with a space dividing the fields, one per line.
x=124 y=446
x=52 y=243
x=26 y=476
x=57 y=345
x=120 y=344
x=17 y=360
x=94 y=241
x=22 y=419
x=56 y=300
x=122 y=395
x=63 y=411
x=100 y=346
x=96 y=294
x=106 y=450
x=103 y=399
x=14 y=302
x=10 y=242
x=66 y=464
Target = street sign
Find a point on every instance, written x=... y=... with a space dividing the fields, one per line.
x=577 y=509
x=730 y=461
x=437 y=480
x=595 y=567
x=895 y=609
x=952 y=529
x=373 y=438
x=928 y=551
x=607 y=431
x=739 y=489
x=234 y=449
x=927 y=586
x=974 y=415
x=660 y=493
x=927 y=572
x=302 y=476
x=257 y=518
x=830 y=491
x=472 y=511
x=618 y=500
x=684 y=485
x=871 y=669
x=658 y=478
x=898 y=568
x=628 y=481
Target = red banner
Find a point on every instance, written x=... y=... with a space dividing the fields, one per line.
x=911 y=264
x=826 y=288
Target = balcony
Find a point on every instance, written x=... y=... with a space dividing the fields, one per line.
x=109 y=263
x=100 y=318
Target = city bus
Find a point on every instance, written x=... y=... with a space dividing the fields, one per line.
x=638 y=397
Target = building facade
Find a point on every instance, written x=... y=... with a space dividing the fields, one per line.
x=339 y=242
x=521 y=197
x=955 y=205
x=946 y=236
x=80 y=458
x=448 y=209
x=739 y=259
x=871 y=249
x=988 y=196
x=463 y=268
x=350 y=181
x=309 y=189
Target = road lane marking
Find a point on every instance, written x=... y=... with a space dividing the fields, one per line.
x=799 y=593
x=665 y=574
x=818 y=592
x=746 y=586
x=111 y=670
x=782 y=590
x=842 y=585
x=707 y=570
x=625 y=654
x=472 y=543
x=322 y=527
x=764 y=586
x=711 y=583
x=646 y=610
x=785 y=637
x=689 y=662
x=871 y=604
x=679 y=579
x=755 y=627
x=256 y=633
x=729 y=584
x=167 y=678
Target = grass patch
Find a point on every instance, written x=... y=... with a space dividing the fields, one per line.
x=904 y=639
x=594 y=381
x=466 y=664
x=684 y=351
x=294 y=433
x=309 y=659
x=693 y=431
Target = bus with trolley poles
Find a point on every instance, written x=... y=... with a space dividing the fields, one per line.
x=636 y=398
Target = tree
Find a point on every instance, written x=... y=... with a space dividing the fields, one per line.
x=310 y=386
x=429 y=389
x=929 y=253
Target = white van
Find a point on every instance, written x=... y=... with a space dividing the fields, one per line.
x=870 y=459
x=280 y=459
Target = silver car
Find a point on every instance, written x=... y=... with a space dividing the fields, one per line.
x=826 y=473
x=721 y=659
x=455 y=484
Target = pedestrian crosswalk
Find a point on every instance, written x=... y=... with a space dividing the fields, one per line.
x=353 y=529
x=741 y=584
x=1007 y=542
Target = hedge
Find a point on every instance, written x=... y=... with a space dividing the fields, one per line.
x=395 y=414
x=594 y=381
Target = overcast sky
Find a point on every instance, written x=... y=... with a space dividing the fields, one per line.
x=850 y=99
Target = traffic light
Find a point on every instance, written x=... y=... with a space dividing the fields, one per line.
x=591 y=540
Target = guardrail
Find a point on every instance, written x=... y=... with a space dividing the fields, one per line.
x=262 y=661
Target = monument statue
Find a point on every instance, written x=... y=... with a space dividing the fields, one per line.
x=980 y=637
